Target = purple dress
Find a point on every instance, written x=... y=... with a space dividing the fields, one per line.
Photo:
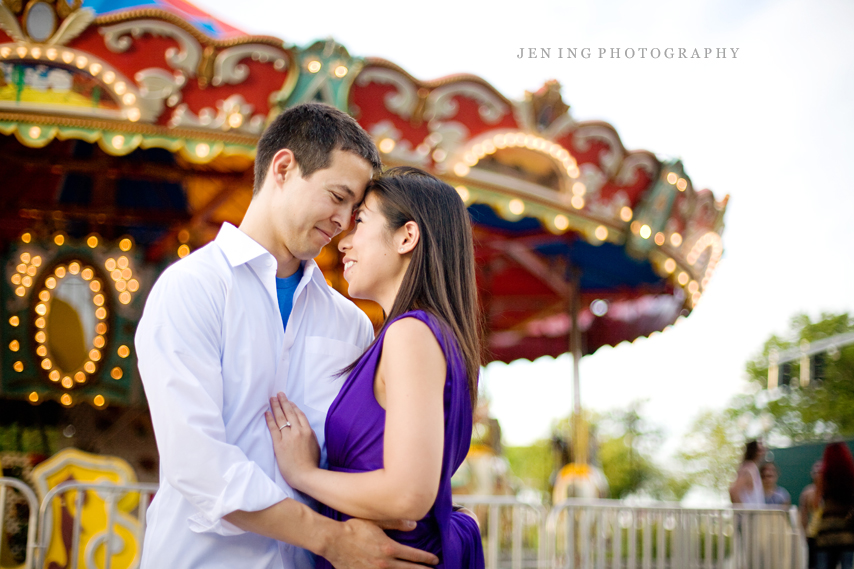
x=355 y=427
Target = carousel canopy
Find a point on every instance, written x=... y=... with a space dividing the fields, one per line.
x=137 y=120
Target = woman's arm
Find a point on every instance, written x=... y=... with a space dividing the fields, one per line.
x=411 y=377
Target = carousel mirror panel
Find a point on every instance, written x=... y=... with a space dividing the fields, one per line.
x=70 y=312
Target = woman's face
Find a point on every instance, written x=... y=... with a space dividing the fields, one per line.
x=373 y=265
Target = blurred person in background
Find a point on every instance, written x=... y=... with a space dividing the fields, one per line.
x=774 y=495
x=747 y=488
x=809 y=509
x=835 y=537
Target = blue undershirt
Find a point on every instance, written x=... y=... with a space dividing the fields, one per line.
x=285 y=289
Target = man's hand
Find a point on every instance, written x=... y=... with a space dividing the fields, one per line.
x=363 y=545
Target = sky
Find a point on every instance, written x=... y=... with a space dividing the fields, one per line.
x=773 y=128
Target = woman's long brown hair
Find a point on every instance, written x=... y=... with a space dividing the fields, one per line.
x=440 y=278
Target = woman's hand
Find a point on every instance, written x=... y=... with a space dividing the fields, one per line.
x=294 y=441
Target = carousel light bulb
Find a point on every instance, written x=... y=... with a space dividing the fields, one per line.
x=601 y=233
x=341 y=71
x=66 y=400
x=127 y=274
x=134 y=114
x=110 y=264
x=18 y=366
x=118 y=141
x=116 y=274
x=460 y=169
x=579 y=189
x=54 y=375
x=41 y=309
x=50 y=282
x=80 y=377
x=67 y=382
x=125 y=298
x=683 y=278
x=92 y=241
x=33 y=397
x=47 y=364
x=40 y=322
x=98 y=342
x=16 y=279
x=74 y=268
x=89 y=367
x=672 y=177
x=40 y=337
x=101 y=328
x=14 y=345
x=314 y=66
x=25 y=258
x=26 y=237
x=95 y=68
x=109 y=77
x=693 y=287
x=682 y=184
x=116 y=373
x=20 y=291
x=561 y=222
x=60 y=272
x=669 y=265
x=41 y=351
x=36 y=261
x=99 y=401
x=386 y=145
x=81 y=62
x=183 y=251
x=626 y=213
x=133 y=285
x=87 y=274
x=14 y=321
x=577 y=202
x=31 y=270
x=123 y=351
x=98 y=299
x=645 y=231
x=675 y=239
x=94 y=355
x=101 y=313
x=95 y=286
x=516 y=206
x=203 y=150
x=44 y=296
x=27 y=280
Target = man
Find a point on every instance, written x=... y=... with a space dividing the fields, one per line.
x=774 y=495
x=226 y=328
x=810 y=513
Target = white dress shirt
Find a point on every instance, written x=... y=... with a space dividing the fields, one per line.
x=212 y=350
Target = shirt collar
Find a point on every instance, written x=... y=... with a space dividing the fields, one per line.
x=238 y=247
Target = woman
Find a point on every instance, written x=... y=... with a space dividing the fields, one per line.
x=835 y=537
x=402 y=423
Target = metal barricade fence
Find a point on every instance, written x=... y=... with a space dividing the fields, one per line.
x=576 y=534
x=513 y=531
x=604 y=534
x=112 y=495
x=13 y=484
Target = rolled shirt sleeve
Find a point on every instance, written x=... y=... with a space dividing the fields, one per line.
x=179 y=345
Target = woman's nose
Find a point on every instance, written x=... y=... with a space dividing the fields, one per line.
x=344 y=243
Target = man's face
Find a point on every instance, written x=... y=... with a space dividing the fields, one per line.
x=308 y=213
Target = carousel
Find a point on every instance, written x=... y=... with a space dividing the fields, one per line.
x=127 y=136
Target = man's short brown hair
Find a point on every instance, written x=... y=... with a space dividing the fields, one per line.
x=312 y=131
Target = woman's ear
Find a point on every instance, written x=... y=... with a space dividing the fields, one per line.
x=407 y=237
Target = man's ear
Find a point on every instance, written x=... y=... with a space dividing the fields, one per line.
x=408 y=237
x=282 y=166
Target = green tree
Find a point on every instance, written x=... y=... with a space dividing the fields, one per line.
x=712 y=449
x=818 y=411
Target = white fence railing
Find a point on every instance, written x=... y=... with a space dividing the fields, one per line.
x=577 y=534
x=605 y=534
x=13 y=485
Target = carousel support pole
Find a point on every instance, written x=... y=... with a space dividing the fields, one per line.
x=579 y=427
